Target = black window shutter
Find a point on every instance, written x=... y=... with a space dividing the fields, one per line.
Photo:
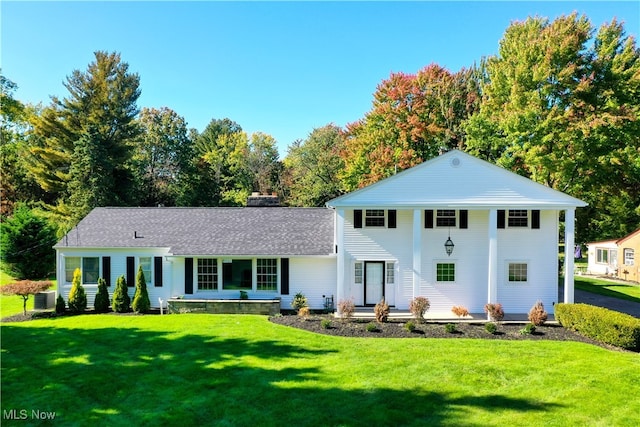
x=357 y=218
x=131 y=273
x=464 y=219
x=535 y=219
x=501 y=219
x=392 y=218
x=106 y=269
x=188 y=275
x=284 y=276
x=428 y=219
x=157 y=273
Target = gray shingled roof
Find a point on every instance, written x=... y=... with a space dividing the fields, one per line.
x=208 y=231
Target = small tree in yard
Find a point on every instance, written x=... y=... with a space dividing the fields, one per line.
x=495 y=311
x=24 y=288
x=77 y=295
x=61 y=306
x=101 y=303
x=121 y=300
x=381 y=311
x=418 y=307
x=299 y=301
x=537 y=314
x=141 y=303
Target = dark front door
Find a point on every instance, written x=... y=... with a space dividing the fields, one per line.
x=373 y=282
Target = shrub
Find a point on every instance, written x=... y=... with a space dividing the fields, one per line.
x=381 y=311
x=325 y=323
x=61 y=307
x=495 y=311
x=371 y=327
x=77 y=295
x=450 y=328
x=607 y=326
x=418 y=307
x=537 y=315
x=24 y=288
x=101 y=303
x=492 y=328
x=460 y=310
x=121 y=299
x=528 y=329
x=410 y=326
x=304 y=312
x=346 y=308
x=299 y=301
x=141 y=303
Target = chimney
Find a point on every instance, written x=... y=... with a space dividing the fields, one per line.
x=257 y=200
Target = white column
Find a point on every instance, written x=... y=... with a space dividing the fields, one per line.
x=417 y=251
x=339 y=239
x=569 y=243
x=492 y=279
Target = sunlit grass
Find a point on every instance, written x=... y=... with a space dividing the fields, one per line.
x=626 y=291
x=11 y=304
x=242 y=370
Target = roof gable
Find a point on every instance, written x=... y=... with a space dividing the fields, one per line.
x=208 y=231
x=457 y=179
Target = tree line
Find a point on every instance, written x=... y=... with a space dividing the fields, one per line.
x=559 y=103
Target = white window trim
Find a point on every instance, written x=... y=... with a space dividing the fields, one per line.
x=456 y=215
x=608 y=250
x=393 y=265
x=195 y=275
x=517 y=282
x=384 y=218
x=528 y=217
x=268 y=291
x=435 y=271
x=81 y=258
x=358 y=279
x=628 y=260
x=149 y=279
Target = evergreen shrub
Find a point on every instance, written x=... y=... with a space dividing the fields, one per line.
x=101 y=303
x=77 y=295
x=603 y=325
x=141 y=303
x=121 y=300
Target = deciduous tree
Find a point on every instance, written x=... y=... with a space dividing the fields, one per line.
x=25 y=288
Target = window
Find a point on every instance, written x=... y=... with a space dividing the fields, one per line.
x=445 y=218
x=70 y=265
x=145 y=263
x=267 y=274
x=207 y=274
x=358 y=273
x=90 y=270
x=628 y=256
x=237 y=274
x=445 y=272
x=391 y=273
x=374 y=218
x=518 y=218
x=602 y=256
x=517 y=272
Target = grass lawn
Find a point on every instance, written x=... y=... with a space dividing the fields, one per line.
x=226 y=370
x=626 y=291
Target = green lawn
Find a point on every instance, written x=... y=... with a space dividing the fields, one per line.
x=196 y=369
x=626 y=291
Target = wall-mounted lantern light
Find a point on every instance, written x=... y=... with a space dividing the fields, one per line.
x=448 y=245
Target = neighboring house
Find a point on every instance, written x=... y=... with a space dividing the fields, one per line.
x=383 y=241
x=619 y=258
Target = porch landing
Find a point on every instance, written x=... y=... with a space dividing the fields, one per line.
x=224 y=306
x=366 y=313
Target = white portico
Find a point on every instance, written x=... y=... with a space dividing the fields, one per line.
x=390 y=238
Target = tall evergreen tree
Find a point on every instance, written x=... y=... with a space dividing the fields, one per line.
x=84 y=141
x=77 y=294
x=141 y=303
x=121 y=301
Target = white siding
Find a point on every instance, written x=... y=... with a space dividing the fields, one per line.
x=539 y=249
x=314 y=277
x=595 y=267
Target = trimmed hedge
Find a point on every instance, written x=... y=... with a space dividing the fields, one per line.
x=607 y=326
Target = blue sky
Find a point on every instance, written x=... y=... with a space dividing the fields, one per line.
x=282 y=68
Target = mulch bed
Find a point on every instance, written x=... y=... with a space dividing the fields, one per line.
x=396 y=329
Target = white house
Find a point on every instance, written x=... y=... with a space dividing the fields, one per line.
x=383 y=241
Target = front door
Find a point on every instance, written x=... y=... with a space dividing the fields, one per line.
x=373 y=282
